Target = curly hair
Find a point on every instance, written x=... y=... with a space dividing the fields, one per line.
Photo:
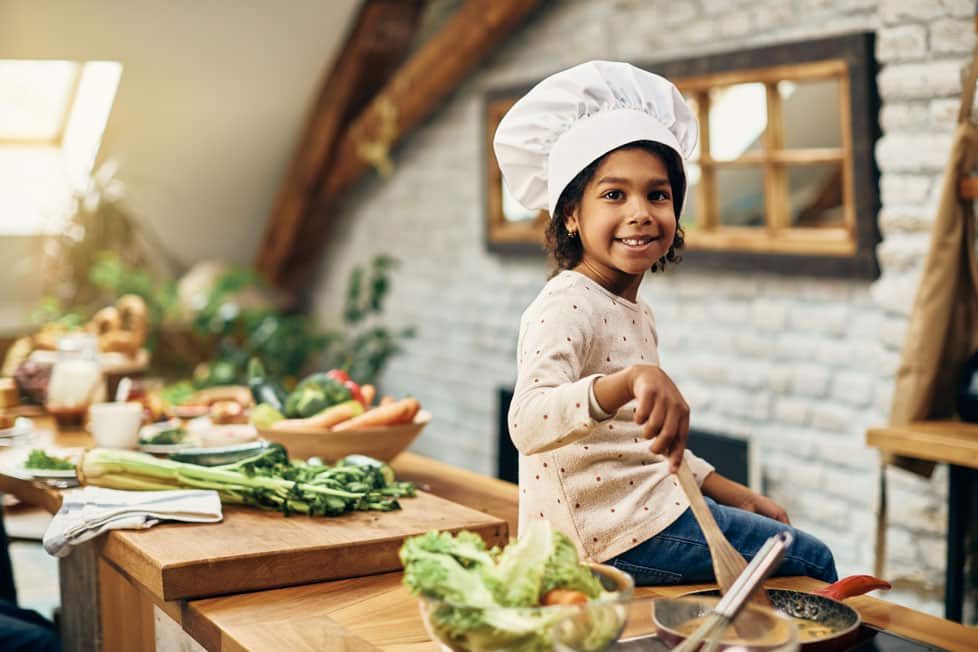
x=567 y=251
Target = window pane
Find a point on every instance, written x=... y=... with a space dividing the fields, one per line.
x=815 y=193
x=34 y=97
x=738 y=116
x=740 y=195
x=690 y=217
x=695 y=109
x=811 y=113
x=34 y=194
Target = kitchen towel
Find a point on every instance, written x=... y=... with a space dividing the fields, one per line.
x=88 y=512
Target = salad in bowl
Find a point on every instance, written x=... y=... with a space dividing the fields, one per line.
x=534 y=594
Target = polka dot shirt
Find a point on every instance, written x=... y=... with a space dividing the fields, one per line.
x=595 y=480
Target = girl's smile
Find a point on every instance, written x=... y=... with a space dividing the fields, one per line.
x=626 y=220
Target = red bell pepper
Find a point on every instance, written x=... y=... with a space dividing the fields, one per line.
x=338 y=375
x=355 y=392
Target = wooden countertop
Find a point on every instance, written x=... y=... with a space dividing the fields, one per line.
x=376 y=612
x=952 y=442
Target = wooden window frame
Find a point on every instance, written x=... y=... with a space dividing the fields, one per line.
x=849 y=251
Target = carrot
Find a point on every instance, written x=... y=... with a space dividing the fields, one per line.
x=369 y=393
x=322 y=420
x=387 y=400
x=402 y=411
x=563 y=596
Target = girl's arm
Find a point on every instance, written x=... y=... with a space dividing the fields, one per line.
x=550 y=405
x=727 y=492
x=659 y=406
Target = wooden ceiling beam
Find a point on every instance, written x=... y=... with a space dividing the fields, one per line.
x=418 y=89
x=376 y=46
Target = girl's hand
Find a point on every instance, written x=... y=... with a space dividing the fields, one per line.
x=727 y=492
x=765 y=507
x=663 y=411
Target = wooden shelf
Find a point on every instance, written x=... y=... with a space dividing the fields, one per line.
x=952 y=442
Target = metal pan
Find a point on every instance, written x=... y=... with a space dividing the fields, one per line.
x=822 y=617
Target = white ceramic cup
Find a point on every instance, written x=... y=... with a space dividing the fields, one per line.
x=115 y=425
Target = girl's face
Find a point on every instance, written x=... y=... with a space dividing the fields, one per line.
x=625 y=219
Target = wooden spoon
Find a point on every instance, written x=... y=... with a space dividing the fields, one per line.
x=727 y=562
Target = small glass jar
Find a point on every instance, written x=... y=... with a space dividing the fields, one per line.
x=76 y=379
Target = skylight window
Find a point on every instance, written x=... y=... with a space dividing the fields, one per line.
x=52 y=117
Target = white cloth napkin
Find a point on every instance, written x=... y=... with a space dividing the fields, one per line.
x=88 y=512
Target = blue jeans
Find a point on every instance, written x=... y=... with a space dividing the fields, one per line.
x=679 y=554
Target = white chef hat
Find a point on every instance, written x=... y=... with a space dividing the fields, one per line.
x=573 y=117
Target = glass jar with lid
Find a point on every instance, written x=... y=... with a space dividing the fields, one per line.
x=76 y=379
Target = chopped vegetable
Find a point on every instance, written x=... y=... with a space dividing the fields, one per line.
x=38 y=459
x=267 y=480
x=168 y=436
x=492 y=600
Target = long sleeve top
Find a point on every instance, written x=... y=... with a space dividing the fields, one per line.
x=595 y=480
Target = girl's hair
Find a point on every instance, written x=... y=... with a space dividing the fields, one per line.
x=567 y=251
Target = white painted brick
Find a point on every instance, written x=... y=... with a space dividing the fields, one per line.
x=729 y=312
x=856 y=5
x=768 y=315
x=913 y=153
x=834 y=353
x=825 y=289
x=715 y=7
x=901 y=43
x=830 y=320
x=958 y=8
x=895 y=292
x=854 y=458
x=826 y=511
x=943 y=113
x=832 y=418
x=903 y=252
x=904 y=116
x=952 y=36
x=892 y=332
x=853 y=388
x=793 y=411
x=933 y=553
x=752 y=344
x=735 y=24
x=905 y=219
x=796 y=347
x=901 y=549
x=810 y=380
x=911 y=81
x=917 y=512
x=904 y=188
x=896 y=11
x=779 y=379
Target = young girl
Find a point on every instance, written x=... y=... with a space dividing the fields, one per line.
x=602 y=147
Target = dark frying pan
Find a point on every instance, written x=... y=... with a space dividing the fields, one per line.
x=823 y=610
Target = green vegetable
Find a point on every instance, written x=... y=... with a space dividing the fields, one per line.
x=263 y=388
x=168 y=436
x=314 y=394
x=38 y=459
x=264 y=415
x=267 y=480
x=489 y=600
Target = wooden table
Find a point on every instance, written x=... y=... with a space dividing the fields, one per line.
x=956 y=444
x=367 y=613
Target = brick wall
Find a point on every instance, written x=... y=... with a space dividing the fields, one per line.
x=804 y=365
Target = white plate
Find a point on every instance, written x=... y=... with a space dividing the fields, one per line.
x=18 y=470
x=22 y=427
x=149 y=431
x=212 y=434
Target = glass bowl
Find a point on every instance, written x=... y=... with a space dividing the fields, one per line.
x=586 y=627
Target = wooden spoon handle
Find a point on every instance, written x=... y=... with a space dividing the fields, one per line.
x=727 y=562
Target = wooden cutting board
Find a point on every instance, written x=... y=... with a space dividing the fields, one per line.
x=253 y=549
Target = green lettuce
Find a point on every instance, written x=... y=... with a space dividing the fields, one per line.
x=489 y=600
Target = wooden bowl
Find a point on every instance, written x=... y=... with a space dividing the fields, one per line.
x=383 y=443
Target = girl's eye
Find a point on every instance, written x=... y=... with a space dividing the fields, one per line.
x=614 y=195
x=658 y=195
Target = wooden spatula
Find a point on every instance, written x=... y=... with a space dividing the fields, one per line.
x=727 y=562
